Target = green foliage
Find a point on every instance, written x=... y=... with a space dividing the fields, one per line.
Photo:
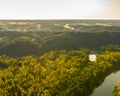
x=117 y=90
x=39 y=37
x=38 y=43
x=57 y=73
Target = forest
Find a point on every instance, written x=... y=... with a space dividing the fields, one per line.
x=51 y=58
x=25 y=44
x=57 y=73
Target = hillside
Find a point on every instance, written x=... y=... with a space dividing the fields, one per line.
x=22 y=38
x=51 y=57
x=56 y=73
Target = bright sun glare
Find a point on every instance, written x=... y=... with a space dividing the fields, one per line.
x=92 y=7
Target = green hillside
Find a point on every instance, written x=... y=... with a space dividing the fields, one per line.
x=57 y=73
x=30 y=43
x=51 y=57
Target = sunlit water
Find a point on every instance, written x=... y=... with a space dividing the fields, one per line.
x=106 y=89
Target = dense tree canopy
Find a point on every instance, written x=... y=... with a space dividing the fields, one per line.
x=57 y=73
x=117 y=90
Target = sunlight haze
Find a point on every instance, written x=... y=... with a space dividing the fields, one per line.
x=59 y=9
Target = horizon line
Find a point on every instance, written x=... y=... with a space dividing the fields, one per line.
x=62 y=19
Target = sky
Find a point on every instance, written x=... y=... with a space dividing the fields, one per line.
x=59 y=9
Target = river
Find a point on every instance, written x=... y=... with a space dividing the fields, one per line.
x=107 y=87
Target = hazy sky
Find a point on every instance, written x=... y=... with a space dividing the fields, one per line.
x=59 y=9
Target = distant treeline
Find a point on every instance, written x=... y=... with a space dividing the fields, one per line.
x=37 y=43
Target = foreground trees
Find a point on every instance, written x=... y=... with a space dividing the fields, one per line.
x=117 y=90
x=55 y=73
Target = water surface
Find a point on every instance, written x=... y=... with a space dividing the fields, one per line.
x=107 y=87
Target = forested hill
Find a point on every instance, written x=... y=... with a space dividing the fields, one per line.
x=22 y=44
x=51 y=58
x=22 y=38
x=57 y=73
